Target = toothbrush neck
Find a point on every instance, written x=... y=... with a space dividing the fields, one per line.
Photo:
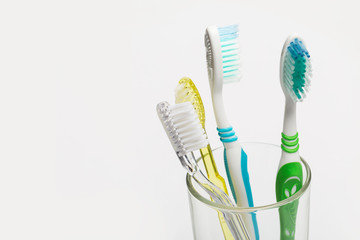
x=289 y=127
x=290 y=141
x=219 y=110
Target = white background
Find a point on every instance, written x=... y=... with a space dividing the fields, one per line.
x=82 y=153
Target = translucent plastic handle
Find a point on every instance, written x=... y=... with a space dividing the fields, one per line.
x=219 y=181
x=234 y=221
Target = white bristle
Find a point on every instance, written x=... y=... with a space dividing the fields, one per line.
x=184 y=94
x=180 y=91
x=182 y=126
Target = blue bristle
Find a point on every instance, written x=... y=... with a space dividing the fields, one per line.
x=298 y=50
x=227 y=61
x=227 y=45
x=228 y=33
x=293 y=53
x=230 y=52
x=230 y=66
x=233 y=70
x=298 y=70
x=304 y=48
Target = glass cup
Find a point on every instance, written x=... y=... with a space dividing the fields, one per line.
x=263 y=162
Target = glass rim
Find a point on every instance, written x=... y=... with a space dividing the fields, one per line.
x=225 y=208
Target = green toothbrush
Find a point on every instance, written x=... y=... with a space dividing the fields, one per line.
x=295 y=76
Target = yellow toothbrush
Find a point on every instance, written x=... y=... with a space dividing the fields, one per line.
x=186 y=91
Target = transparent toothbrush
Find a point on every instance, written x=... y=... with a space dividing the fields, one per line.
x=186 y=135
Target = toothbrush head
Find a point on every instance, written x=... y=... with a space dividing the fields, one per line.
x=223 y=54
x=295 y=69
x=186 y=91
x=182 y=126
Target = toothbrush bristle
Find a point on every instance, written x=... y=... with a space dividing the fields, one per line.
x=297 y=70
x=186 y=91
x=230 y=50
x=182 y=126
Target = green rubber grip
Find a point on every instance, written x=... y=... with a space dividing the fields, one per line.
x=290 y=138
x=290 y=144
x=288 y=181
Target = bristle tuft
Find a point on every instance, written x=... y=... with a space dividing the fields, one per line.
x=186 y=91
x=297 y=70
x=230 y=49
x=182 y=126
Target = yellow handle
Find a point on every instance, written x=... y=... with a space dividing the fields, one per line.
x=219 y=181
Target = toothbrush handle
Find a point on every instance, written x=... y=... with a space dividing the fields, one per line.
x=288 y=181
x=211 y=169
x=235 y=160
x=233 y=220
x=214 y=177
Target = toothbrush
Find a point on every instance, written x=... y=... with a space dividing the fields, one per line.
x=223 y=63
x=186 y=135
x=295 y=76
x=186 y=91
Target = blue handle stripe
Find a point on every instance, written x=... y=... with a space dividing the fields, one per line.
x=246 y=179
x=224 y=129
x=228 y=134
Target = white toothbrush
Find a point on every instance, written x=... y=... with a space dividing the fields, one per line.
x=223 y=62
x=186 y=134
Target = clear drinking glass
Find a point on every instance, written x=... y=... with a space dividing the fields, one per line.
x=263 y=161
